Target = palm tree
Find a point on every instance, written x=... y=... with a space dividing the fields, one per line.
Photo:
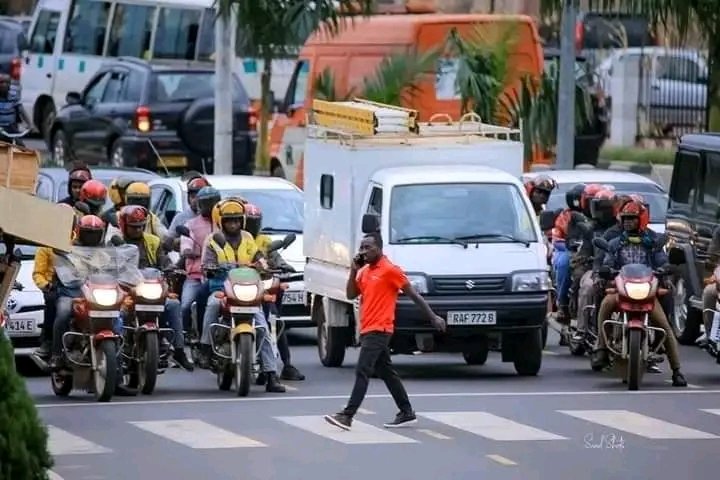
x=703 y=15
x=271 y=29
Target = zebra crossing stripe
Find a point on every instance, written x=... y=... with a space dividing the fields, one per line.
x=61 y=442
x=197 y=434
x=361 y=433
x=714 y=411
x=491 y=426
x=637 y=424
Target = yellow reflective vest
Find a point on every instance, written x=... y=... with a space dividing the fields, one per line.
x=152 y=245
x=244 y=255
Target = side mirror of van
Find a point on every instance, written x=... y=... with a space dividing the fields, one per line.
x=547 y=220
x=370 y=223
x=73 y=98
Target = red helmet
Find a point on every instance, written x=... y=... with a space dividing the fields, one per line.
x=94 y=193
x=541 y=182
x=91 y=230
x=132 y=216
x=588 y=193
x=636 y=209
x=195 y=184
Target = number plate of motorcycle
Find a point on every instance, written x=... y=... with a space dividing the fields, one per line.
x=149 y=308
x=244 y=309
x=104 y=314
x=472 y=318
x=20 y=328
x=293 y=298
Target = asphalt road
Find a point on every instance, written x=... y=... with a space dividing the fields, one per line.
x=473 y=421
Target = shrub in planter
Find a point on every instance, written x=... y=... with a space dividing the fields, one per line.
x=23 y=437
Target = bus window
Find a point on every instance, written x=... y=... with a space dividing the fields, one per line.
x=176 y=35
x=86 y=28
x=43 y=37
x=130 y=31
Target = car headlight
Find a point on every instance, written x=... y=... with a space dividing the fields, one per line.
x=637 y=291
x=245 y=293
x=150 y=291
x=105 y=297
x=419 y=283
x=531 y=281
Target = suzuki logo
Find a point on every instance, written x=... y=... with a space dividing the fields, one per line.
x=470 y=284
x=12 y=304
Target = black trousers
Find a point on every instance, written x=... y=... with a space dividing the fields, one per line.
x=375 y=356
x=49 y=315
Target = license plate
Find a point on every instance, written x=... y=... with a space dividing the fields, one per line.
x=173 y=162
x=293 y=298
x=104 y=314
x=150 y=308
x=20 y=327
x=472 y=318
x=244 y=309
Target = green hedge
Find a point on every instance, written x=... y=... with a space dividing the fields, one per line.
x=23 y=437
x=637 y=155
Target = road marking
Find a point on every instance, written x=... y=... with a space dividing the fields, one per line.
x=549 y=352
x=361 y=433
x=501 y=460
x=295 y=398
x=54 y=476
x=490 y=426
x=714 y=411
x=197 y=434
x=690 y=385
x=434 y=434
x=65 y=443
x=365 y=411
x=638 y=424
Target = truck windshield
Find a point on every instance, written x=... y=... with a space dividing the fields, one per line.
x=467 y=212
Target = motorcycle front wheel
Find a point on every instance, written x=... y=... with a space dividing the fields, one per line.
x=635 y=366
x=245 y=356
x=105 y=374
x=148 y=364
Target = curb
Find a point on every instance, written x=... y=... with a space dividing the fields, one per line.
x=639 y=168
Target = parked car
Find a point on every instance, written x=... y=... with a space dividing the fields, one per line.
x=159 y=116
x=692 y=216
x=13 y=41
x=282 y=205
x=624 y=182
x=26 y=306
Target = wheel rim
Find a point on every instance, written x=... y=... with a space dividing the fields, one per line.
x=680 y=307
x=101 y=372
x=117 y=157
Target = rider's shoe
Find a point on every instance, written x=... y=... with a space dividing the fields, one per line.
x=44 y=350
x=600 y=359
x=291 y=373
x=578 y=336
x=653 y=368
x=273 y=384
x=181 y=359
x=261 y=379
x=204 y=356
x=678 y=379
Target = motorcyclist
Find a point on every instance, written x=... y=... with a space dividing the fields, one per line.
x=566 y=232
x=602 y=218
x=193 y=187
x=539 y=190
x=253 y=225
x=76 y=179
x=195 y=288
x=637 y=244
x=239 y=248
x=138 y=193
x=116 y=193
x=132 y=221
x=90 y=233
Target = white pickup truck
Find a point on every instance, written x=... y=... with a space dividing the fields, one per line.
x=452 y=213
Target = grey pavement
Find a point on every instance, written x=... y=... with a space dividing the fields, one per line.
x=471 y=421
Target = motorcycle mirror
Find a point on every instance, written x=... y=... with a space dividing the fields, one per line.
x=182 y=230
x=601 y=244
x=83 y=207
x=117 y=241
x=288 y=240
x=676 y=256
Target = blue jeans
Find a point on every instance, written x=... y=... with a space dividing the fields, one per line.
x=561 y=267
x=193 y=291
x=262 y=331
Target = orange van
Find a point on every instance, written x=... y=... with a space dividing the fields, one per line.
x=359 y=48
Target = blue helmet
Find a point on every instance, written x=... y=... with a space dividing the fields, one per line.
x=206 y=199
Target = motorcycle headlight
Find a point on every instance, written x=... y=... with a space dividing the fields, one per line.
x=150 y=291
x=105 y=297
x=637 y=291
x=245 y=293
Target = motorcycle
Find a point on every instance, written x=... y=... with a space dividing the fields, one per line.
x=146 y=345
x=629 y=337
x=713 y=336
x=91 y=346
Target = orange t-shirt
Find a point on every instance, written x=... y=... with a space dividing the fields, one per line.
x=379 y=286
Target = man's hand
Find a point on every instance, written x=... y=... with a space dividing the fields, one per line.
x=438 y=322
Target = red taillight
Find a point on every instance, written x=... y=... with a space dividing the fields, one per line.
x=579 y=35
x=142 y=119
x=252 y=118
x=15 y=69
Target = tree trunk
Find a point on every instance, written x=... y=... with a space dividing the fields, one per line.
x=262 y=156
x=714 y=87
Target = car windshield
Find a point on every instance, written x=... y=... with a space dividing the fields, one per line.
x=459 y=212
x=283 y=211
x=653 y=195
x=187 y=86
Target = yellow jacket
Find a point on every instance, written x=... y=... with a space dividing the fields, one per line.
x=263 y=242
x=44 y=269
x=245 y=254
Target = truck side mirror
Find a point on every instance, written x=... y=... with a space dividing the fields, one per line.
x=370 y=223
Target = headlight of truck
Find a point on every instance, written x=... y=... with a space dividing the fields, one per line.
x=419 y=283
x=531 y=281
x=245 y=293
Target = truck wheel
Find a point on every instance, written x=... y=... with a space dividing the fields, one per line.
x=331 y=340
x=528 y=353
x=477 y=357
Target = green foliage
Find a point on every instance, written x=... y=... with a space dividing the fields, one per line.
x=23 y=437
